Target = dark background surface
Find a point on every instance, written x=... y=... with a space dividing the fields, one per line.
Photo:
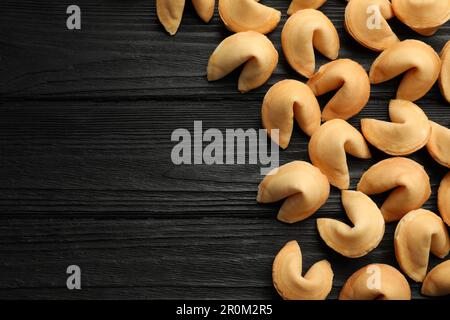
x=86 y=176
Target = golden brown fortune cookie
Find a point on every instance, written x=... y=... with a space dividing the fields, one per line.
x=366 y=22
x=437 y=281
x=352 y=86
x=251 y=49
x=328 y=147
x=305 y=31
x=444 y=77
x=303 y=186
x=170 y=12
x=408 y=132
x=406 y=178
x=365 y=234
x=444 y=199
x=376 y=282
x=289 y=282
x=423 y=16
x=419 y=63
x=417 y=234
x=246 y=15
x=439 y=144
x=288 y=100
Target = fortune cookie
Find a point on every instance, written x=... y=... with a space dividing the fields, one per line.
x=437 y=281
x=376 y=282
x=366 y=22
x=246 y=15
x=367 y=230
x=444 y=78
x=170 y=12
x=406 y=178
x=439 y=144
x=352 y=86
x=287 y=276
x=423 y=16
x=418 y=61
x=303 y=186
x=408 y=132
x=444 y=199
x=417 y=234
x=250 y=48
x=328 y=147
x=288 y=100
x=305 y=30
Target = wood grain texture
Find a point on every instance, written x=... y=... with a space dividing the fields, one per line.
x=85 y=171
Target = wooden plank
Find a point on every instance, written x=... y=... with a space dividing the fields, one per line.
x=85 y=169
x=66 y=164
x=100 y=158
x=122 y=51
x=205 y=258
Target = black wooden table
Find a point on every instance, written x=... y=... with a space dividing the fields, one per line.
x=86 y=176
